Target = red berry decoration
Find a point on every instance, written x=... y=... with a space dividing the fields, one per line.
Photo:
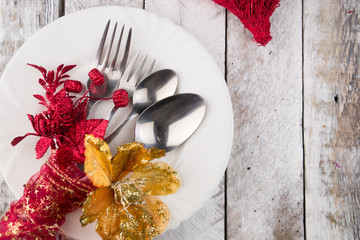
x=97 y=77
x=121 y=98
x=72 y=86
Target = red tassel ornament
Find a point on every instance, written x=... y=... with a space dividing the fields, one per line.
x=254 y=14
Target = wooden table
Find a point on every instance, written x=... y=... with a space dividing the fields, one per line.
x=294 y=169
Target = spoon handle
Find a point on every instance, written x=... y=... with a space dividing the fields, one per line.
x=114 y=109
x=91 y=104
x=115 y=132
x=112 y=113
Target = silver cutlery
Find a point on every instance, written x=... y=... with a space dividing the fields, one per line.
x=131 y=77
x=153 y=88
x=111 y=70
x=170 y=122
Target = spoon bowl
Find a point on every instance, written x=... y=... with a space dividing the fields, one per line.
x=156 y=86
x=171 y=121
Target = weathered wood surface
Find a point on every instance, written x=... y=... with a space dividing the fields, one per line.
x=295 y=102
x=331 y=119
x=19 y=21
x=264 y=175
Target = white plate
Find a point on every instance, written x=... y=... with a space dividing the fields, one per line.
x=73 y=39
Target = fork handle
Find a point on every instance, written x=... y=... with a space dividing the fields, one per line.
x=115 y=132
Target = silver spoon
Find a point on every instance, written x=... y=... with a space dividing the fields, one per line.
x=156 y=86
x=170 y=122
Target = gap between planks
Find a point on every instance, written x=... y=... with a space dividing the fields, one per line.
x=303 y=116
x=225 y=175
x=61 y=8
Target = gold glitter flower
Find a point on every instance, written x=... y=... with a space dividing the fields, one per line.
x=124 y=204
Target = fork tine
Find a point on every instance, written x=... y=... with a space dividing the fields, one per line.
x=97 y=59
x=127 y=73
x=126 y=52
x=148 y=71
x=136 y=75
x=106 y=58
x=117 y=49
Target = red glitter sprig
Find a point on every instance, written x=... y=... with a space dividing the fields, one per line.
x=55 y=125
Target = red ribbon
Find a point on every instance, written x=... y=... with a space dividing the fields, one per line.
x=48 y=196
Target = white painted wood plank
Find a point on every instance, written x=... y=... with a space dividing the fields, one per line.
x=20 y=20
x=76 y=5
x=6 y=196
x=206 y=21
x=264 y=176
x=331 y=119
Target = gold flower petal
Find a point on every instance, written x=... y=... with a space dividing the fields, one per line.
x=123 y=207
x=97 y=161
x=132 y=157
x=140 y=221
x=127 y=193
x=96 y=202
x=157 y=179
x=159 y=211
x=110 y=221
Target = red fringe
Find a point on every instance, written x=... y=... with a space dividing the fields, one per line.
x=254 y=14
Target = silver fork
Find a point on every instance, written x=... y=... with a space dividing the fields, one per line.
x=111 y=72
x=129 y=81
x=132 y=76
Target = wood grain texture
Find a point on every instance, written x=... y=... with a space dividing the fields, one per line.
x=76 y=5
x=331 y=119
x=264 y=175
x=20 y=19
x=6 y=196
